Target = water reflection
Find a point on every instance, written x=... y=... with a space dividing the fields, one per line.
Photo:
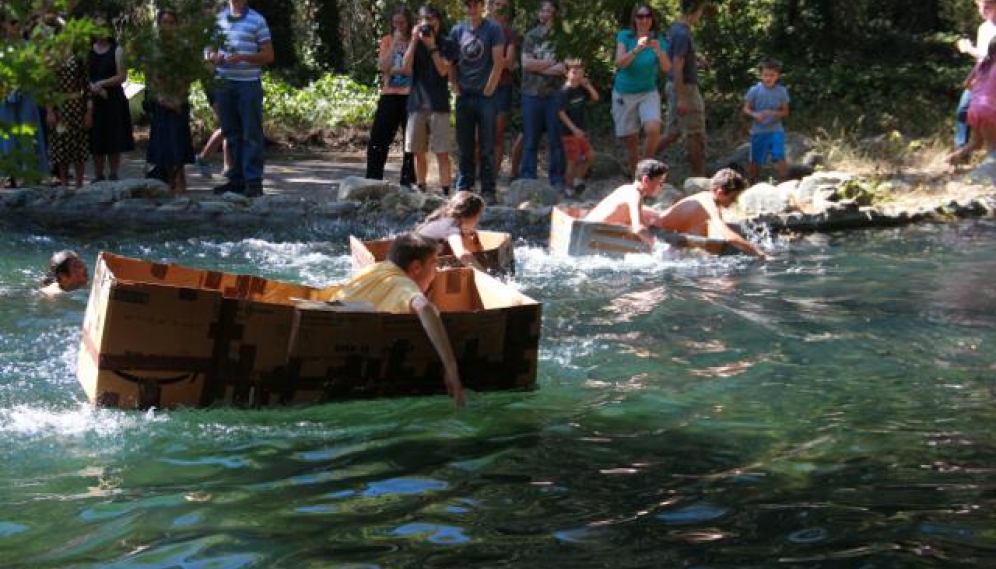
x=829 y=408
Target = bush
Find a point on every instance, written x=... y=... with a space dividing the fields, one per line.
x=294 y=114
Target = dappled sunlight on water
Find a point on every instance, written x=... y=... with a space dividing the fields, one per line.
x=829 y=407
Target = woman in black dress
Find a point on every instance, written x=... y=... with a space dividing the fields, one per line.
x=170 y=145
x=111 y=133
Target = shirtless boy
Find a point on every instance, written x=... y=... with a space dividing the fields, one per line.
x=699 y=214
x=624 y=206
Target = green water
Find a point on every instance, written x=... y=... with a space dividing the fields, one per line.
x=831 y=408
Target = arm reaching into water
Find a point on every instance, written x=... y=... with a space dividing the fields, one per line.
x=428 y=314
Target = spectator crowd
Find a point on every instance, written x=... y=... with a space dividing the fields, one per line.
x=447 y=89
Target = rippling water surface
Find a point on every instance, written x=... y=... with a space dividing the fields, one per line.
x=833 y=407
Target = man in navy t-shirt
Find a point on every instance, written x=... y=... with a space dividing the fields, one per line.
x=474 y=79
x=685 y=107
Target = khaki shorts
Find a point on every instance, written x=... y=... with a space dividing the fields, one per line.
x=429 y=131
x=630 y=111
x=691 y=123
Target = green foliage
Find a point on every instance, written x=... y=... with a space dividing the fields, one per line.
x=331 y=102
x=171 y=58
x=29 y=60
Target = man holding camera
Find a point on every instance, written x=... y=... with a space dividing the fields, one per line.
x=428 y=61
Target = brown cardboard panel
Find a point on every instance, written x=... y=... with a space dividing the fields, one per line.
x=494 y=294
x=571 y=235
x=125 y=269
x=144 y=320
x=497 y=256
x=141 y=389
x=366 y=253
x=240 y=339
x=453 y=290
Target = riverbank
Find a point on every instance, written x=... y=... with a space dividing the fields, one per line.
x=313 y=189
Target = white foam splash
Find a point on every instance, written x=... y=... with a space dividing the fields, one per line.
x=80 y=421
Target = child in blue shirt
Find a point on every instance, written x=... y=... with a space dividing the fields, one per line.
x=767 y=103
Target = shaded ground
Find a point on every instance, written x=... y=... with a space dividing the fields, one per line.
x=311 y=173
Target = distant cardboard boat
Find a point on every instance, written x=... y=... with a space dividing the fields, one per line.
x=497 y=255
x=571 y=235
x=163 y=335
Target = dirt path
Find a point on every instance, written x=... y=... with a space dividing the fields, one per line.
x=310 y=173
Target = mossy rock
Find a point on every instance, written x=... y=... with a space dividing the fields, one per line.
x=862 y=193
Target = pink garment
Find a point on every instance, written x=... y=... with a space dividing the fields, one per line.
x=982 y=108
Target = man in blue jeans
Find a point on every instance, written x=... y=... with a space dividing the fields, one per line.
x=542 y=78
x=474 y=79
x=247 y=48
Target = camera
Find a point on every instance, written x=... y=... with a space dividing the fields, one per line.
x=425 y=29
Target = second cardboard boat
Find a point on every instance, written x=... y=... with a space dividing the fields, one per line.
x=164 y=335
x=571 y=235
x=497 y=255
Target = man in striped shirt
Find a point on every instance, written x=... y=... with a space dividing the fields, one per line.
x=246 y=49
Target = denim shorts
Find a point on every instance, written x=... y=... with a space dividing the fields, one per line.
x=763 y=144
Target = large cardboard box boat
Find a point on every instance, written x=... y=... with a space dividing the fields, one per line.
x=497 y=255
x=571 y=235
x=164 y=335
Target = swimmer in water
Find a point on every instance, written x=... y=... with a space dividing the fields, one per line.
x=66 y=272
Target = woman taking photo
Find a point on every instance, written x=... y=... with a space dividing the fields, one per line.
x=641 y=56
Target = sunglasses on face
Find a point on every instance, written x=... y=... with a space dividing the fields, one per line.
x=643 y=16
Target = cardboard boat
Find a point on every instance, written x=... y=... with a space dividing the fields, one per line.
x=166 y=336
x=497 y=255
x=571 y=235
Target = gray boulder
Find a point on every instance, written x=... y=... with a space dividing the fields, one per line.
x=138 y=188
x=606 y=167
x=499 y=215
x=765 y=198
x=696 y=185
x=354 y=188
x=402 y=202
x=284 y=205
x=535 y=191
x=814 y=192
x=668 y=196
x=338 y=210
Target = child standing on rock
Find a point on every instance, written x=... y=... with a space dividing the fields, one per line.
x=767 y=103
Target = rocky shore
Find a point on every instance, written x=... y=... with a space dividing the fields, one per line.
x=823 y=201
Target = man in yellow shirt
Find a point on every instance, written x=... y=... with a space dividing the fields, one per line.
x=398 y=285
